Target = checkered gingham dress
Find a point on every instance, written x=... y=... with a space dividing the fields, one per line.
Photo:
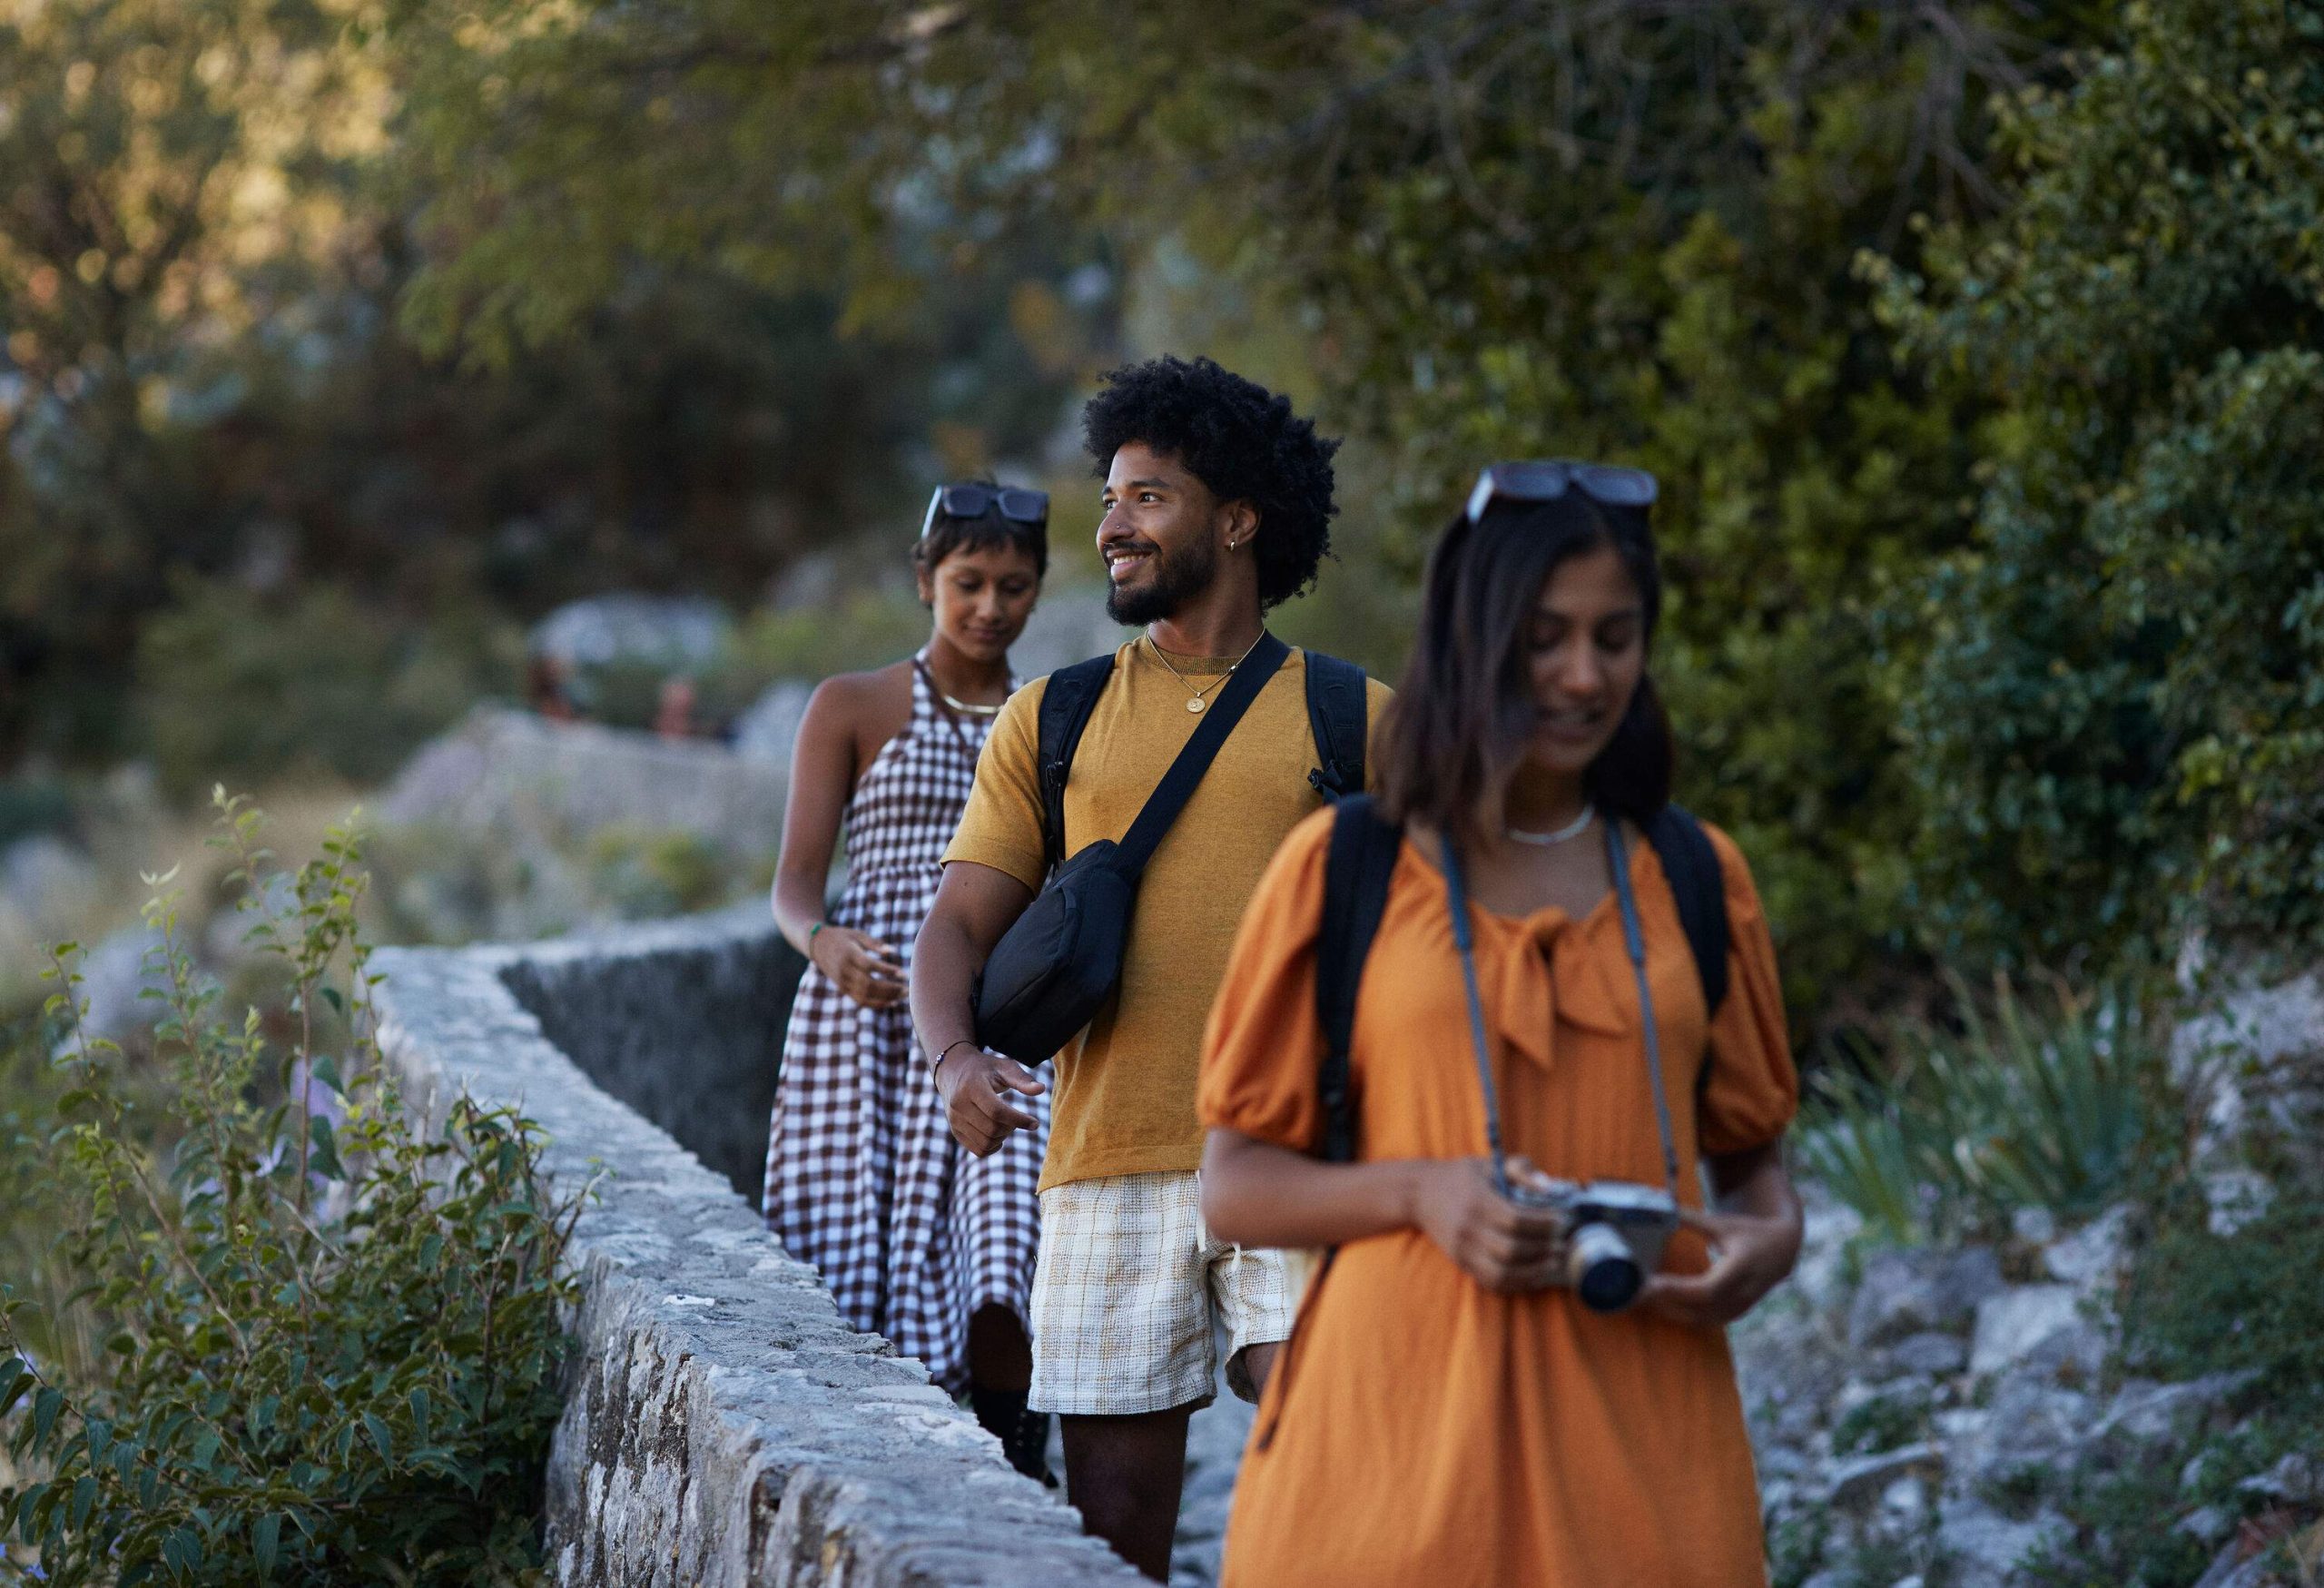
x=912 y=1232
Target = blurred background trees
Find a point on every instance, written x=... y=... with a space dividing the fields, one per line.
x=1976 y=345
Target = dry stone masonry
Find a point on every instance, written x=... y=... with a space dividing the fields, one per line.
x=723 y=1427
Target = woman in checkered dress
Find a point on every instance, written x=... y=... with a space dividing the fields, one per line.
x=919 y=1241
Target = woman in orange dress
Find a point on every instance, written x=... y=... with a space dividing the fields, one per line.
x=1449 y=1411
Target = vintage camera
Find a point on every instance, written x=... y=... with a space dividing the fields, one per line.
x=1614 y=1230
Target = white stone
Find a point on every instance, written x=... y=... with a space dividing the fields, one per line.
x=2094 y=1255
x=47 y=880
x=1860 y=1478
x=2011 y=1325
x=2237 y=1196
x=1905 y=1500
x=2033 y=1226
x=1983 y=1546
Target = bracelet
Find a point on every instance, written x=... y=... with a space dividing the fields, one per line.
x=811 y=936
x=947 y=1048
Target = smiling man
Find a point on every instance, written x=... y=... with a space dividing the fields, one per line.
x=1217 y=506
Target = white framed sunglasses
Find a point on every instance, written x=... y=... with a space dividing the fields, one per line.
x=1017 y=504
x=1608 y=484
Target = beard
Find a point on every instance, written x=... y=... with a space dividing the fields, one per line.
x=1178 y=577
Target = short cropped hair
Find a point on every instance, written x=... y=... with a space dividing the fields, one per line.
x=992 y=532
x=1242 y=441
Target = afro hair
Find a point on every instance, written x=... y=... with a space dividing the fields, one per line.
x=1239 y=439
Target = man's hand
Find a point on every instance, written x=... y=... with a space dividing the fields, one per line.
x=1751 y=1254
x=976 y=1087
x=1503 y=1246
x=860 y=965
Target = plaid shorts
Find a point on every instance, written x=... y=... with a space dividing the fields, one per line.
x=1124 y=1296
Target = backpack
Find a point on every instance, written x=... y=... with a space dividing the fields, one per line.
x=1336 y=715
x=1356 y=891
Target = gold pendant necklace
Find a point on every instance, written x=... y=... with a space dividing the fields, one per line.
x=1196 y=702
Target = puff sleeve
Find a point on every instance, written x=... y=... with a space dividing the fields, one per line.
x=1264 y=1043
x=1752 y=1090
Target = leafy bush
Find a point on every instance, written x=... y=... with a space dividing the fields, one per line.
x=332 y=1347
x=2060 y=1107
x=2198 y=1304
x=2120 y=713
x=2247 y=1302
x=643 y=873
x=254 y=686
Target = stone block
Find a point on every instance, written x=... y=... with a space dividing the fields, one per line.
x=722 y=1427
x=2013 y=1323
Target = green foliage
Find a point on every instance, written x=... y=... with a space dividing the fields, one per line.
x=2121 y=711
x=1885 y=1422
x=2062 y=1106
x=2199 y=1302
x=332 y=1348
x=206 y=235
x=311 y=679
x=2244 y=1303
x=1501 y=229
x=643 y=873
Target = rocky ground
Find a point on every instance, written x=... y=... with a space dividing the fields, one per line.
x=1913 y=1410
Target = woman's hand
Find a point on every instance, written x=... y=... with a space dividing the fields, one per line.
x=1505 y=1247
x=859 y=964
x=1751 y=1254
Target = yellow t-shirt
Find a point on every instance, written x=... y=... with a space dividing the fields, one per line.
x=1124 y=1101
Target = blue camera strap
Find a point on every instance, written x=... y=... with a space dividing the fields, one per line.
x=1456 y=893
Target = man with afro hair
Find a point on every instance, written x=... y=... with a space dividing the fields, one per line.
x=1216 y=507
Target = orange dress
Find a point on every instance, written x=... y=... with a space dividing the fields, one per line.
x=1417 y=1428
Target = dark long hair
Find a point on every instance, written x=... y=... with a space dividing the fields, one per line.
x=1465 y=710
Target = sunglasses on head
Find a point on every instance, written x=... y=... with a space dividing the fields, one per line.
x=1607 y=484
x=1015 y=503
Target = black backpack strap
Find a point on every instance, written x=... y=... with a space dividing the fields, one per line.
x=1356 y=871
x=1067 y=701
x=1692 y=864
x=1336 y=717
x=1178 y=785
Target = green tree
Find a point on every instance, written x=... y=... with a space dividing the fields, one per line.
x=1505 y=228
x=2119 y=715
x=165 y=178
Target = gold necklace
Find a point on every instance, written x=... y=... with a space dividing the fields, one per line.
x=966 y=706
x=1196 y=702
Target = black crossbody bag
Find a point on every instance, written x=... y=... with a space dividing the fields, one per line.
x=1053 y=970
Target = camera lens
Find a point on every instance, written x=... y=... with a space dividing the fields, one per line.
x=1601 y=1269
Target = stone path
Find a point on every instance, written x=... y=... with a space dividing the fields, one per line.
x=1214 y=1448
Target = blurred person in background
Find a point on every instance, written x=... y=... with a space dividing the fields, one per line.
x=1463 y=1401
x=918 y=1240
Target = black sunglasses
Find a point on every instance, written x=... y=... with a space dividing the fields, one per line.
x=1607 y=484
x=1015 y=503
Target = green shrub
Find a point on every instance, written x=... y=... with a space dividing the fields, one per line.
x=332 y=1347
x=2062 y=1107
x=2197 y=1304
x=250 y=687
x=2252 y=1301
x=643 y=873
x=2115 y=715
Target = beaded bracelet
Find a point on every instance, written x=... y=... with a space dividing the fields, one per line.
x=947 y=1048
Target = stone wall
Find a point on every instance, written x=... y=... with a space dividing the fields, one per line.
x=725 y=1425
x=607 y=1002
